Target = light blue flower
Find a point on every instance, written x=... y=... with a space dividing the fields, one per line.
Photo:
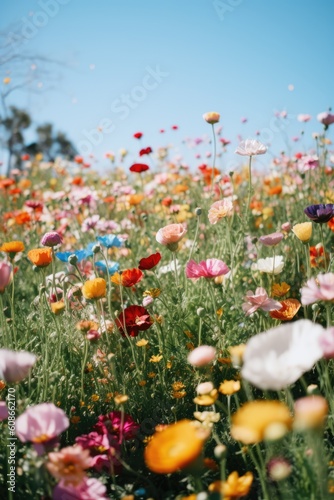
x=102 y=267
x=110 y=240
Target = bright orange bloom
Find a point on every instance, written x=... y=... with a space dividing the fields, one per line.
x=317 y=256
x=109 y=199
x=22 y=218
x=127 y=278
x=275 y=190
x=280 y=289
x=135 y=199
x=234 y=487
x=40 y=257
x=330 y=224
x=289 y=309
x=77 y=181
x=12 y=247
x=6 y=183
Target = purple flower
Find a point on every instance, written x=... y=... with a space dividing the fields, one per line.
x=320 y=213
x=51 y=239
x=272 y=239
x=325 y=118
x=15 y=365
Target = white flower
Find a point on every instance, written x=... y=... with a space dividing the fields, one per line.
x=277 y=358
x=269 y=265
x=251 y=147
x=169 y=268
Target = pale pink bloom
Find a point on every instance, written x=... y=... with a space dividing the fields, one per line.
x=308 y=163
x=147 y=301
x=326 y=341
x=251 y=147
x=259 y=300
x=69 y=464
x=204 y=388
x=310 y=412
x=325 y=118
x=319 y=288
x=89 y=489
x=170 y=234
x=211 y=117
x=3 y=411
x=272 y=239
x=210 y=268
x=220 y=209
x=41 y=424
x=15 y=365
x=6 y=275
x=304 y=118
x=286 y=226
x=202 y=355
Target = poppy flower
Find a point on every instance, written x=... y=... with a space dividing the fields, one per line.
x=320 y=213
x=135 y=319
x=34 y=204
x=289 y=309
x=138 y=135
x=145 y=151
x=6 y=275
x=40 y=257
x=94 y=289
x=110 y=240
x=234 y=486
x=12 y=247
x=149 y=262
x=127 y=278
x=139 y=168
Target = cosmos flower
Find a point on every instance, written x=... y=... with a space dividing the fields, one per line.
x=319 y=288
x=259 y=300
x=251 y=147
x=69 y=464
x=325 y=118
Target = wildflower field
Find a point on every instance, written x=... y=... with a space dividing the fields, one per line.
x=166 y=331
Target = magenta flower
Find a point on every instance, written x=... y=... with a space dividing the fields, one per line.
x=51 y=239
x=102 y=448
x=41 y=425
x=210 y=268
x=272 y=239
x=111 y=425
x=326 y=341
x=6 y=275
x=3 y=411
x=259 y=300
x=319 y=288
x=89 y=489
x=15 y=366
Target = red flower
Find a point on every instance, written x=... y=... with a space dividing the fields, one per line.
x=138 y=135
x=139 y=167
x=166 y=202
x=145 y=151
x=128 y=278
x=299 y=156
x=174 y=127
x=78 y=159
x=149 y=262
x=135 y=319
x=25 y=157
x=34 y=204
x=162 y=131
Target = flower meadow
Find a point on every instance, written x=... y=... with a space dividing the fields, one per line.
x=167 y=332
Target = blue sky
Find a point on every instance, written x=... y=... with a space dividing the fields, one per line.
x=147 y=65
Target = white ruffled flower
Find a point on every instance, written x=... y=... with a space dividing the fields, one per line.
x=251 y=147
x=269 y=265
x=277 y=358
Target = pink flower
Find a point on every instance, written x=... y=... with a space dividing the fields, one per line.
x=251 y=147
x=3 y=411
x=210 y=268
x=41 y=425
x=147 y=301
x=202 y=355
x=170 y=235
x=69 y=464
x=304 y=118
x=259 y=300
x=272 y=239
x=326 y=341
x=6 y=275
x=15 y=366
x=286 y=227
x=325 y=118
x=51 y=239
x=220 y=209
x=319 y=288
x=211 y=117
x=89 y=489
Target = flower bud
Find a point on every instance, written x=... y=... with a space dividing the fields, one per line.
x=96 y=248
x=72 y=259
x=220 y=451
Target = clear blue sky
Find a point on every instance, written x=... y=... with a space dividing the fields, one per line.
x=176 y=60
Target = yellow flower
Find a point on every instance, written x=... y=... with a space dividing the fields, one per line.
x=142 y=343
x=267 y=212
x=206 y=399
x=94 y=289
x=12 y=247
x=57 y=307
x=175 y=447
x=6 y=80
x=156 y=359
x=229 y=387
x=303 y=231
x=237 y=353
x=258 y=420
x=234 y=487
x=179 y=394
x=121 y=398
x=95 y=397
x=152 y=292
x=177 y=386
x=280 y=289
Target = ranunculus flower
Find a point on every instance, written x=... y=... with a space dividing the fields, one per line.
x=51 y=239
x=15 y=365
x=320 y=213
x=134 y=319
x=272 y=239
x=41 y=425
x=211 y=117
x=251 y=147
x=149 y=262
x=277 y=358
x=202 y=355
x=259 y=300
x=6 y=275
x=139 y=168
x=321 y=288
x=303 y=231
x=209 y=268
x=269 y=265
x=170 y=235
x=220 y=209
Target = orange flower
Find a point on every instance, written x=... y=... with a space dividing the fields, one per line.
x=94 y=289
x=330 y=224
x=180 y=188
x=280 y=289
x=317 y=257
x=175 y=447
x=77 y=181
x=135 y=199
x=229 y=387
x=234 y=487
x=40 y=257
x=289 y=309
x=22 y=218
x=6 y=183
x=275 y=190
x=127 y=278
x=12 y=247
